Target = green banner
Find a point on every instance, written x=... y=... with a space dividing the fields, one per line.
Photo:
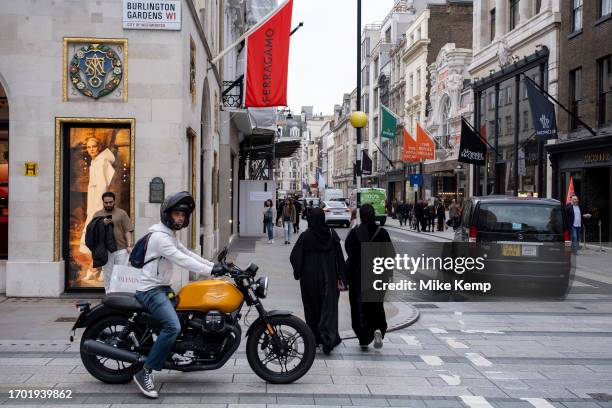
x=388 y=123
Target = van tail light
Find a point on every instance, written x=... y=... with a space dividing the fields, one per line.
x=327 y=210
x=347 y=210
x=473 y=234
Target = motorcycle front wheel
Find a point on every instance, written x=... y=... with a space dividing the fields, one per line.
x=285 y=360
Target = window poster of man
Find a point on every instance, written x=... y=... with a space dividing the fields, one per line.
x=99 y=162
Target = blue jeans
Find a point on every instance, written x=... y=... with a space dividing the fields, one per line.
x=157 y=303
x=576 y=238
x=270 y=229
x=288 y=227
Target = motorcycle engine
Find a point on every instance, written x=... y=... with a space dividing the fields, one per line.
x=213 y=321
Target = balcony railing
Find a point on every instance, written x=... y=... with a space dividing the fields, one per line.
x=232 y=93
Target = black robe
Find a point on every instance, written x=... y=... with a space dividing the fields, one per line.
x=314 y=265
x=366 y=317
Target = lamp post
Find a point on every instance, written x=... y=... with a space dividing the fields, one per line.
x=359 y=116
x=358 y=120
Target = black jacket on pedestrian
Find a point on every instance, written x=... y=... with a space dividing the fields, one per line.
x=366 y=316
x=318 y=262
x=569 y=211
x=100 y=238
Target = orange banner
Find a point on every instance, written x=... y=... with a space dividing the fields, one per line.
x=409 y=151
x=425 y=145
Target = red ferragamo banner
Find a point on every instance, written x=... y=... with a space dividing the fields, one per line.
x=268 y=60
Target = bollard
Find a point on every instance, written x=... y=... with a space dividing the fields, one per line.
x=600 y=246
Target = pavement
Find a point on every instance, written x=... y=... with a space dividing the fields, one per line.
x=457 y=354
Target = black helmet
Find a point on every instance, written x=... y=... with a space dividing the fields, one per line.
x=177 y=202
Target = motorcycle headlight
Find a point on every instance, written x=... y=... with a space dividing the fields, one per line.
x=262 y=287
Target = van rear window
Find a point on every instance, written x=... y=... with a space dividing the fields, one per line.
x=523 y=217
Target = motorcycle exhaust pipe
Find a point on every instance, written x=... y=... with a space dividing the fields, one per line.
x=106 y=350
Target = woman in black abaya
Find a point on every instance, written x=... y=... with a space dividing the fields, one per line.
x=368 y=318
x=317 y=262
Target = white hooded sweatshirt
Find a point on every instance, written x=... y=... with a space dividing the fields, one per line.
x=164 y=243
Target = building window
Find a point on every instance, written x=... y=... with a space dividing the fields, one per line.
x=514 y=13
x=446 y=130
x=509 y=96
x=576 y=15
x=525 y=120
x=538 y=6
x=575 y=96
x=388 y=35
x=375 y=98
x=605 y=8
x=376 y=67
x=411 y=86
x=604 y=90
x=492 y=24
x=509 y=125
x=492 y=100
x=418 y=82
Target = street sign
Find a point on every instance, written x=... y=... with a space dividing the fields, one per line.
x=416 y=179
x=152 y=14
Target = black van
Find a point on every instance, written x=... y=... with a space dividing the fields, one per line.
x=523 y=240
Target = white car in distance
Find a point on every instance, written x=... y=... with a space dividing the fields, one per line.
x=336 y=212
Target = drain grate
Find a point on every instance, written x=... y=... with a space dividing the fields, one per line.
x=66 y=319
x=425 y=306
x=601 y=397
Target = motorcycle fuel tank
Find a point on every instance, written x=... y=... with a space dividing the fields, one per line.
x=209 y=295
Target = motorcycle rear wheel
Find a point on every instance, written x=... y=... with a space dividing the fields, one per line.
x=262 y=355
x=107 y=329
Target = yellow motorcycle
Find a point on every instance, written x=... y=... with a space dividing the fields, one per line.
x=119 y=332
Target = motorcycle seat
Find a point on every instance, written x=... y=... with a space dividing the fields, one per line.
x=123 y=301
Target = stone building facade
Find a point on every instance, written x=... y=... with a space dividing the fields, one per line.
x=585 y=88
x=159 y=123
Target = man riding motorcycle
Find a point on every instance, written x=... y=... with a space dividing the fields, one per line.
x=154 y=291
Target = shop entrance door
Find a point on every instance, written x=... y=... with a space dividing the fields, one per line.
x=596 y=200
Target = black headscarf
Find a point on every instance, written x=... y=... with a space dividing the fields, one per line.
x=318 y=236
x=368 y=218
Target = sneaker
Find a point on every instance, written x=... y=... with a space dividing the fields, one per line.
x=271 y=241
x=144 y=381
x=378 y=343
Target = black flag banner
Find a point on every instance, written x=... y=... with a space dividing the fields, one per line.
x=471 y=149
x=542 y=112
x=366 y=164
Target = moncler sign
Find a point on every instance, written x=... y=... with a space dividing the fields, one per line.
x=470 y=155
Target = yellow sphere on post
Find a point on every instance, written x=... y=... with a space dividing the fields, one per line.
x=359 y=119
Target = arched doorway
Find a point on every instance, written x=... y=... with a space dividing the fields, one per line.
x=4 y=173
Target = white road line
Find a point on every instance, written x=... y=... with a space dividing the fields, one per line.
x=450 y=379
x=410 y=340
x=475 y=401
x=478 y=360
x=435 y=330
x=539 y=402
x=482 y=332
x=432 y=360
x=454 y=343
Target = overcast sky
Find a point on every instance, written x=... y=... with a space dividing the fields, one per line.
x=322 y=59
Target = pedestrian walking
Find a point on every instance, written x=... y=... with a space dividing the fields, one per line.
x=419 y=211
x=289 y=216
x=318 y=263
x=298 y=212
x=404 y=213
x=453 y=214
x=268 y=220
x=368 y=318
x=122 y=231
x=354 y=221
x=575 y=213
x=440 y=214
